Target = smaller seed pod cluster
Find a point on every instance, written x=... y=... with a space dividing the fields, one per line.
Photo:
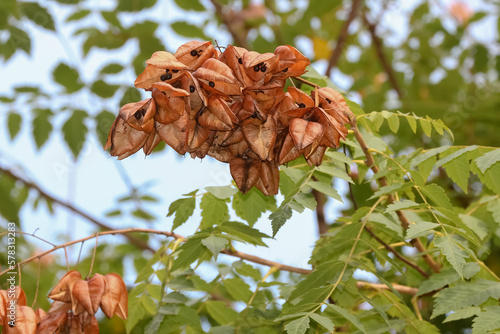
x=232 y=106
x=76 y=302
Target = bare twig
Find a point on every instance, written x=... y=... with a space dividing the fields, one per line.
x=379 y=49
x=341 y=39
x=320 y=210
x=237 y=36
x=370 y=162
x=234 y=253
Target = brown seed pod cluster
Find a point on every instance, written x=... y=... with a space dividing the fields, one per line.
x=232 y=106
x=73 y=311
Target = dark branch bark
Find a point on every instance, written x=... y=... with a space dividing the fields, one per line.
x=341 y=39
x=238 y=38
x=379 y=49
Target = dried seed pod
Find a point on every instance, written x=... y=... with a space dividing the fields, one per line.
x=62 y=291
x=233 y=58
x=124 y=140
x=140 y=115
x=334 y=104
x=261 y=137
x=291 y=63
x=56 y=317
x=245 y=172
x=194 y=53
x=288 y=151
x=217 y=116
x=198 y=137
x=269 y=178
x=333 y=130
x=25 y=321
x=170 y=102
x=304 y=133
x=151 y=143
x=88 y=294
x=259 y=67
x=217 y=78
x=301 y=99
x=314 y=156
x=197 y=97
x=112 y=301
x=176 y=134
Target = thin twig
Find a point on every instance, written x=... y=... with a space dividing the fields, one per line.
x=379 y=49
x=341 y=39
x=320 y=210
x=234 y=253
x=137 y=242
x=370 y=162
x=237 y=37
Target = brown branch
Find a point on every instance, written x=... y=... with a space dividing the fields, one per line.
x=320 y=210
x=399 y=288
x=379 y=49
x=136 y=241
x=125 y=232
x=237 y=37
x=243 y=256
x=341 y=39
x=370 y=162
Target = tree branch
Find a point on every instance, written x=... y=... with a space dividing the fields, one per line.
x=334 y=57
x=137 y=242
x=379 y=49
x=320 y=210
x=370 y=162
x=237 y=37
x=243 y=256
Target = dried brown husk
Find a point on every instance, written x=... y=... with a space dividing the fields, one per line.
x=185 y=53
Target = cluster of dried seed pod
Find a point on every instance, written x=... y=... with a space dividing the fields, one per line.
x=232 y=106
x=73 y=311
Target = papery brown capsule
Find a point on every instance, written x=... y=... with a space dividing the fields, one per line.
x=194 y=53
x=291 y=63
x=217 y=78
x=124 y=140
x=139 y=115
x=217 y=116
x=176 y=134
x=245 y=172
x=259 y=67
x=233 y=58
x=170 y=102
x=269 y=178
x=25 y=321
x=261 y=137
x=304 y=133
x=334 y=104
x=62 y=291
x=115 y=297
x=56 y=316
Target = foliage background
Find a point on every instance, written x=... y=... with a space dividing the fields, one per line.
x=68 y=65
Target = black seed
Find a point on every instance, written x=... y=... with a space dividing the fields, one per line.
x=263 y=68
x=175 y=71
x=328 y=100
x=194 y=53
x=302 y=105
x=211 y=84
x=191 y=89
x=167 y=76
x=240 y=60
x=138 y=114
x=167 y=70
x=143 y=112
x=285 y=70
x=256 y=68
